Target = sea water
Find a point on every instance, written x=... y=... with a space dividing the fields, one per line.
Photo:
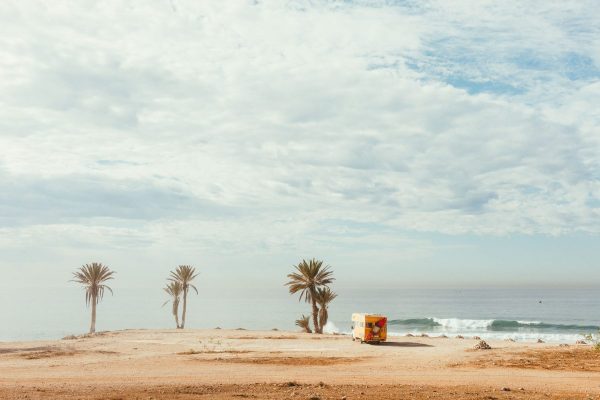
x=521 y=314
x=553 y=315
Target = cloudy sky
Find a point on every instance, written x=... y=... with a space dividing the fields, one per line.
x=405 y=142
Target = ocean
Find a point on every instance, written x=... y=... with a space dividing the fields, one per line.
x=521 y=314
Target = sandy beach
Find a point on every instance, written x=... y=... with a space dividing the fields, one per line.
x=228 y=364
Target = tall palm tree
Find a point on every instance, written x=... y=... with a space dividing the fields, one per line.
x=92 y=277
x=184 y=274
x=174 y=290
x=304 y=323
x=310 y=276
x=324 y=296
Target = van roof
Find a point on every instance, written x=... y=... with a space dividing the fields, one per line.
x=368 y=315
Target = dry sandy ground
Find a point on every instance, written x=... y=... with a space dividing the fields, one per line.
x=233 y=364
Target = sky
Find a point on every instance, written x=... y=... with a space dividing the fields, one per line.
x=405 y=143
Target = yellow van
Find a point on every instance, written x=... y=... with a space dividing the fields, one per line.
x=369 y=328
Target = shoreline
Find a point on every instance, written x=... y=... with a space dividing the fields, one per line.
x=131 y=360
x=518 y=337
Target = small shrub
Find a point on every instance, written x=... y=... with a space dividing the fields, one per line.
x=304 y=323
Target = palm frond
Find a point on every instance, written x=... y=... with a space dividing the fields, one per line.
x=173 y=289
x=184 y=274
x=324 y=296
x=92 y=277
x=309 y=276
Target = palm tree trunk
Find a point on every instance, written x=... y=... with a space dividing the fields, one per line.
x=176 y=315
x=323 y=317
x=315 y=312
x=93 y=326
x=184 y=308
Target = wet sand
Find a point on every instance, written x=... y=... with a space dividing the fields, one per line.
x=233 y=364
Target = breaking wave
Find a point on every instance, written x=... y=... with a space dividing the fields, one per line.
x=456 y=324
x=491 y=329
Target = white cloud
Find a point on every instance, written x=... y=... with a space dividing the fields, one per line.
x=305 y=120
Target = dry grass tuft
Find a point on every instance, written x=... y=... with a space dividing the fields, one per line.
x=283 y=337
x=278 y=337
x=192 y=352
x=557 y=359
x=87 y=335
x=36 y=355
x=296 y=361
x=57 y=352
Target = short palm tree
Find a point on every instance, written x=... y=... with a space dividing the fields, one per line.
x=324 y=296
x=307 y=279
x=304 y=323
x=92 y=277
x=174 y=290
x=184 y=275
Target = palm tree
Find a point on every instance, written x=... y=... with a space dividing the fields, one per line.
x=184 y=274
x=304 y=323
x=92 y=277
x=307 y=279
x=174 y=290
x=324 y=296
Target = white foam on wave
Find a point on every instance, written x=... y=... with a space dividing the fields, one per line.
x=330 y=328
x=481 y=328
x=530 y=322
x=518 y=337
x=455 y=324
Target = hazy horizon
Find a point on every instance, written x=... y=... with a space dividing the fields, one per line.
x=406 y=144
